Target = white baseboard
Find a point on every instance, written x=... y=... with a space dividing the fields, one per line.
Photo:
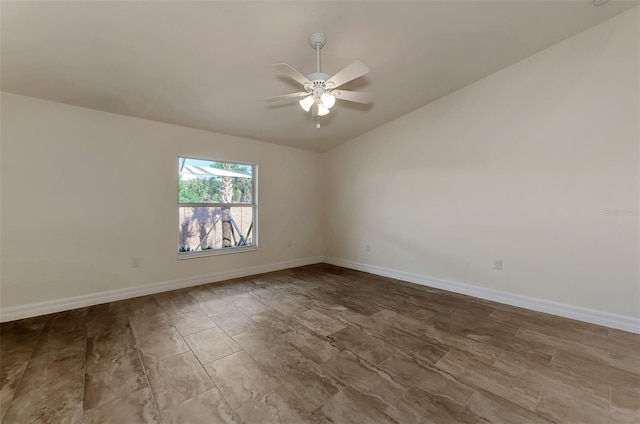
x=59 y=305
x=606 y=319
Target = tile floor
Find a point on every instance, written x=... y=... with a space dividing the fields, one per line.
x=316 y=344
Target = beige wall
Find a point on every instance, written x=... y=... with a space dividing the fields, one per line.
x=519 y=166
x=84 y=191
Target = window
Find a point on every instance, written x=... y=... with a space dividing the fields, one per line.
x=216 y=207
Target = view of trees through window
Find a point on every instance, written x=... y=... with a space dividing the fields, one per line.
x=216 y=205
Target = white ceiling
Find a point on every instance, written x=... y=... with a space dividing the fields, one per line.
x=207 y=65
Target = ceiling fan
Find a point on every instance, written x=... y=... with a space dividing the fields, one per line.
x=320 y=90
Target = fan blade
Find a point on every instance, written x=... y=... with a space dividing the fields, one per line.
x=286 y=96
x=353 y=96
x=291 y=73
x=351 y=72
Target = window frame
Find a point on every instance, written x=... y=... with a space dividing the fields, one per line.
x=254 y=205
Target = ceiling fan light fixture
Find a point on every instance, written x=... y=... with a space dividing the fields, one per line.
x=328 y=100
x=318 y=95
x=306 y=103
x=322 y=110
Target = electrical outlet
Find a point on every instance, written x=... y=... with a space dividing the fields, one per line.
x=135 y=262
x=367 y=248
x=289 y=243
x=497 y=264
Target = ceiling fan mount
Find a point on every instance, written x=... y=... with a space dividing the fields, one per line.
x=320 y=94
x=317 y=40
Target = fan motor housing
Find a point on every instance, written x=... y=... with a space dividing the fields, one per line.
x=318 y=84
x=318 y=76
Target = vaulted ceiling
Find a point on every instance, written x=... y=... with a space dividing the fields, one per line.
x=207 y=65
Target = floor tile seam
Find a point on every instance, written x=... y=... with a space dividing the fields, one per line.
x=540 y=413
x=542 y=386
x=617 y=348
x=222 y=357
x=222 y=313
x=31 y=356
x=577 y=374
x=84 y=374
x=383 y=403
x=179 y=314
x=227 y=333
x=169 y=407
x=260 y=325
x=369 y=363
x=591 y=362
x=404 y=392
x=209 y=316
x=625 y=390
x=138 y=347
x=553 y=356
x=182 y=353
x=160 y=359
x=466 y=402
x=617 y=368
x=290 y=392
x=35 y=348
x=598 y=348
x=445 y=355
x=318 y=409
x=263 y=394
x=304 y=355
x=203 y=330
x=558 y=328
x=471 y=380
x=391 y=356
x=333 y=375
x=627 y=337
x=555 y=384
x=117 y=398
x=154 y=329
x=498 y=358
x=563 y=388
x=195 y=332
x=224 y=398
x=610 y=390
x=146 y=378
x=551 y=332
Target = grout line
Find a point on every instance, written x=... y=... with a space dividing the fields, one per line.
x=28 y=361
x=228 y=354
x=225 y=332
x=517 y=331
x=445 y=355
x=146 y=377
x=538 y=399
x=396 y=400
x=466 y=402
x=197 y=332
x=498 y=358
x=84 y=372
